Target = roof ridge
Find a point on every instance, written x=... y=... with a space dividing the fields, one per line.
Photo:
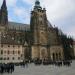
x=17 y=23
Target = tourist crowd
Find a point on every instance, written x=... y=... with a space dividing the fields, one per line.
x=9 y=68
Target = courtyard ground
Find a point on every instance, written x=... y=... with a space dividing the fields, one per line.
x=44 y=70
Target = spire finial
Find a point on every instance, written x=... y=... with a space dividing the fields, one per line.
x=4 y=4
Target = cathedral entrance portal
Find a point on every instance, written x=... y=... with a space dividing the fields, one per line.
x=43 y=54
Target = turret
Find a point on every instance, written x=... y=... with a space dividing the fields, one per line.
x=39 y=24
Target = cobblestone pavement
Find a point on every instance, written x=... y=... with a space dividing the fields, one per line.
x=44 y=70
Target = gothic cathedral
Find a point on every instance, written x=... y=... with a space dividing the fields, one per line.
x=39 y=40
x=41 y=47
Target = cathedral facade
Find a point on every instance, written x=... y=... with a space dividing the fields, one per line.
x=38 y=40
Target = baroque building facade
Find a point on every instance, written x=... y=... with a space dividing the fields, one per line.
x=38 y=40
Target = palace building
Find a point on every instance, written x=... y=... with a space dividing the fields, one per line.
x=38 y=40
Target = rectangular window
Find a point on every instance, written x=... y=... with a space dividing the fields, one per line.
x=8 y=52
x=18 y=52
x=18 y=58
x=13 y=52
x=1 y=58
x=8 y=58
x=13 y=58
x=1 y=51
x=4 y=58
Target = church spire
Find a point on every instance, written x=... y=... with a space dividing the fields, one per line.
x=4 y=5
x=3 y=14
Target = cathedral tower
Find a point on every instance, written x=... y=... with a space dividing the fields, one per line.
x=3 y=14
x=39 y=29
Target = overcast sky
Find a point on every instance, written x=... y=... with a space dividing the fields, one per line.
x=60 y=13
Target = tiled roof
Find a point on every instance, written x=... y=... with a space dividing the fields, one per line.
x=18 y=26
